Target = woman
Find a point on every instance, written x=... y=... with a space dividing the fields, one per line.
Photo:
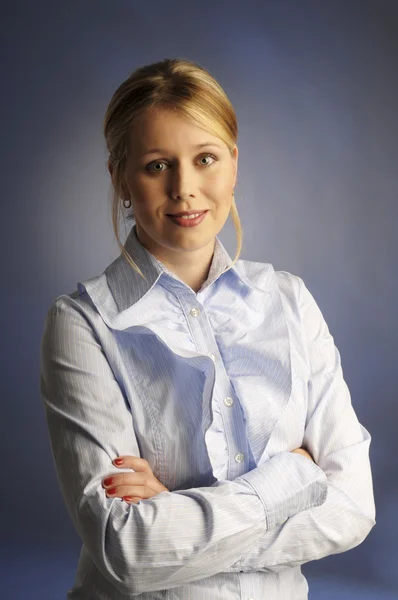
x=216 y=382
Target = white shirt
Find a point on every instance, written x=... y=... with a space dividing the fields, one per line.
x=214 y=389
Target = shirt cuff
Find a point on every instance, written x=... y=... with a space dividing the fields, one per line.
x=287 y=484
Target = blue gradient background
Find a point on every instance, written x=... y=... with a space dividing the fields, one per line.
x=315 y=88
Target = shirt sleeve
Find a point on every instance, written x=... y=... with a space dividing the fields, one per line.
x=339 y=445
x=175 y=537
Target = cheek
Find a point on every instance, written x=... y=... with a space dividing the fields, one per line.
x=139 y=189
x=222 y=183
x=144 y=196
x=141 y=186
x=223 y=193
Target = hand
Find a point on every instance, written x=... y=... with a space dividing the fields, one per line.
x=303 y=452
x=133 y=487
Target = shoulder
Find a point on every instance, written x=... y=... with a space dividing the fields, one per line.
x=263 y=275
x=300 y=307
x=69 y=310
x=286 y=291
x=69 y=303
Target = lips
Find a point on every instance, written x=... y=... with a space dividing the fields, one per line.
x=189 y=222
x=189 y=212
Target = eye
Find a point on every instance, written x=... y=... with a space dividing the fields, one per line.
x=207 y=156
x=155 y=163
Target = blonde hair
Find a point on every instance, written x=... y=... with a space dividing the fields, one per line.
x=176 y=84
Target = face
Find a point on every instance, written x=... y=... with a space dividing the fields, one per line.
x=167 y=172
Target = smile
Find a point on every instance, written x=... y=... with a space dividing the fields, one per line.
x=189 y=220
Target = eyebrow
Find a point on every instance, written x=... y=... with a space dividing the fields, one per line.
x=154 y=150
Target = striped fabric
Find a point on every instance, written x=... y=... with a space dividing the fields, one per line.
x=214 y=389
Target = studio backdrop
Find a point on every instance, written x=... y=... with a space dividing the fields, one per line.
x=315 y=89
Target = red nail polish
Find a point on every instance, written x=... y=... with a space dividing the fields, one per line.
x=118 y=461
x=108 y=481
x=112 y=491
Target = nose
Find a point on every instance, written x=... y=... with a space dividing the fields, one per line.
x=182 y=183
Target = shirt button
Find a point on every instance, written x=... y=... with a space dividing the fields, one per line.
x=195 y=312
x=239 y=457
x=228 y=401
x=212 y=357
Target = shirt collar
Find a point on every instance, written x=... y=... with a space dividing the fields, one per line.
x=127 y=286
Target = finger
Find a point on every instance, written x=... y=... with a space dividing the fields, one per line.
x=128 y=490
x=139 y=464
x=134 y=478
x=133 y=462
x=131 y=499
x=127 y=478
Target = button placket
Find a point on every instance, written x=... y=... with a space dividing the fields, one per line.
x=232 y=431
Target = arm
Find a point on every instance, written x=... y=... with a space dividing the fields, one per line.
x=339 y=445
x=175 y=537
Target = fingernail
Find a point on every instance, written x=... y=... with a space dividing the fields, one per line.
x=112 y=491
x=108 y=481
x=128 y=498
x=118 y=461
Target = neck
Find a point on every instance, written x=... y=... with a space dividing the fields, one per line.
x=192 y=267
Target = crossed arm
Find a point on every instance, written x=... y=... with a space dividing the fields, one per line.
x=140 y=483
x=285 y=512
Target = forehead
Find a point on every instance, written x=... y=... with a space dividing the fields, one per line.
x=162 y=129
